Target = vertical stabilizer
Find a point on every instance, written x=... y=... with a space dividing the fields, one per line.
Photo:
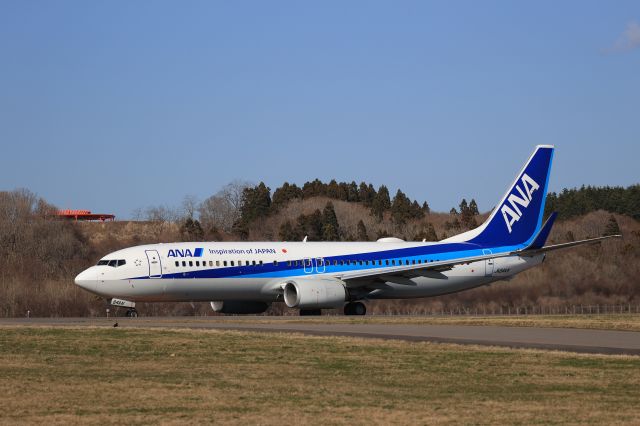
x=518 y=216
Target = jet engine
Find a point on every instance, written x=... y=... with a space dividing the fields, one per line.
x=239 y=307
x=315 y=294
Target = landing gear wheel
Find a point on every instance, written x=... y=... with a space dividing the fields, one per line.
x=308 y=312
x=132 y=313
x=355 y=308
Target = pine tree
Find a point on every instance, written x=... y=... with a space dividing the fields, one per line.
x=352 y=192
x=400 y=208
x=310 y=225
x=425 y=208
x=466 y=215
x=612 y=227
x=330 y=226
x=191 y=230
x=284 y=194
x=314 y=189
x=427 y=233
x=381 y=202
x=287 y=232
x=463 y=206
x=256 y=203
x=362 y=231
x=366 y=193
x=333 y=190
x=473 y=207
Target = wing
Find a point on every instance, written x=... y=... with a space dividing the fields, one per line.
x=401 y=273
x=392 y=273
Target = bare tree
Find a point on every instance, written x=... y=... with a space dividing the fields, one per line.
x=223 y=209
x=190 y=204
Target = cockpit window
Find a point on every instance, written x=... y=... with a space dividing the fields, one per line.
x=114 y=263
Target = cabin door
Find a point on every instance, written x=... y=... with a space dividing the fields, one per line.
x=155 y=267
x=308 y=265
x=488 y=264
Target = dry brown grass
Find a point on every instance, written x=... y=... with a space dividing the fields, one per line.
x=92 y=376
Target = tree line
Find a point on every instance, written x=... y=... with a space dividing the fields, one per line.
x=575 y=202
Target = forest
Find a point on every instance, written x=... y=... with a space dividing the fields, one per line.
x=41 y=255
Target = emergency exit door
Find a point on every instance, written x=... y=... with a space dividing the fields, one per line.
x=488 y=264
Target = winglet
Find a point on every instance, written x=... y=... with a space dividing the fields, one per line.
x=543 y=234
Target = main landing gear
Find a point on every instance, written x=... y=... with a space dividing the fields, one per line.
x=355 y=308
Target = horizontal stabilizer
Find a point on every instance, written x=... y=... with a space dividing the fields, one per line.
x=533 y=252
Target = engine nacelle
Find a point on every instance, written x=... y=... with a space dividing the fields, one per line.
x=315 y=294
x=239 y=307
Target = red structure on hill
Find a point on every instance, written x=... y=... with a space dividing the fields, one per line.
x=84 y=215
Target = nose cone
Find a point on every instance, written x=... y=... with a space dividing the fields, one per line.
x=87 y=279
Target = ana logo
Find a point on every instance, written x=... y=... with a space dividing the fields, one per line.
x=511 y=212
x=185 y=253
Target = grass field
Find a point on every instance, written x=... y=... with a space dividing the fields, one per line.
x=92 y=375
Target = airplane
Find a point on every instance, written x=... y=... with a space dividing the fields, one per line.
x=247 y=277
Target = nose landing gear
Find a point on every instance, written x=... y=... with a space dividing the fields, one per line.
x=131 y=307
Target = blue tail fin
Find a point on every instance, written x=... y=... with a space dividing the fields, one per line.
x=517 y=218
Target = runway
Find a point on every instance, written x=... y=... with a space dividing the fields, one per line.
x=565 y=339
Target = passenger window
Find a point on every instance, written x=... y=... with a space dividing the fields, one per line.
x=197 y=263
x=177 y=263
x=254 y=263
x=211 y=263
x=122 y=262
x=275 y=263
x=335 y=263
x=393 y=262
x=190 y=263
x=225 y=263
x=261 y=263
x=184 y=263
x=232 y=263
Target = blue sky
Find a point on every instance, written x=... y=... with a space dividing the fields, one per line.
x=113 y=106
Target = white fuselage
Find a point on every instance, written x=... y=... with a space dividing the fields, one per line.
x=256 y=271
